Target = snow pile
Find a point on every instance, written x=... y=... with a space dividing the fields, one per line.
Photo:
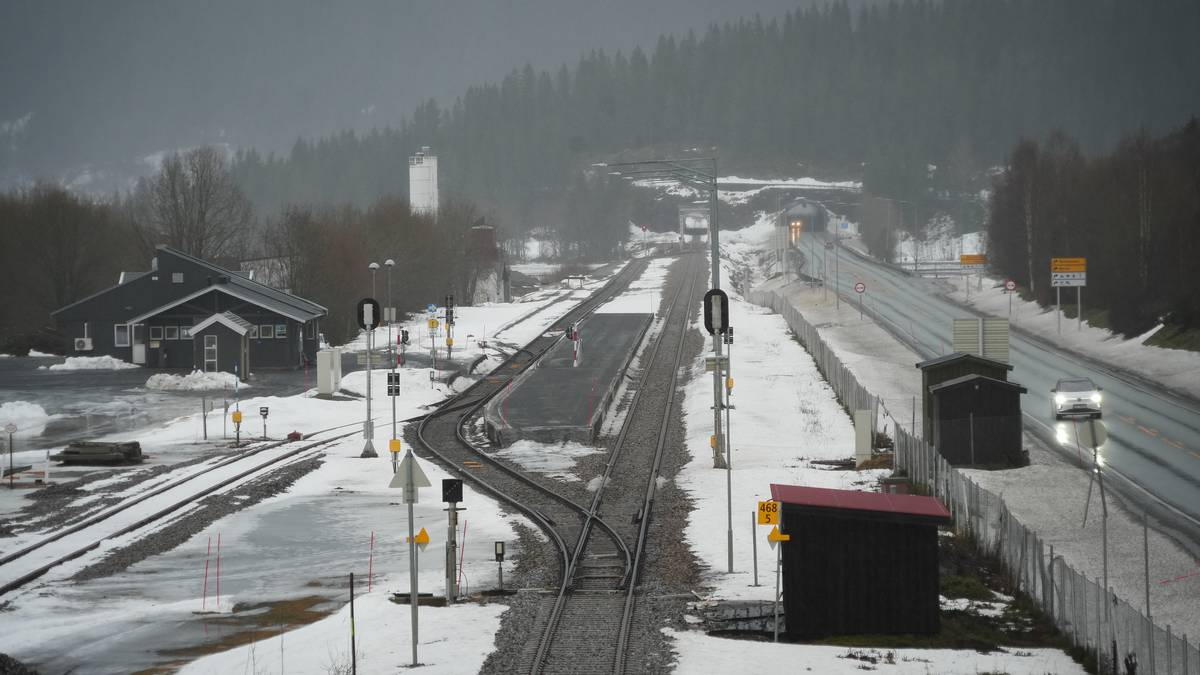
x=90 y=363
x=30 y=418
x=194 y=381
x=807 y=183
x=552 y=460
x=35 y=354
x=700 y=653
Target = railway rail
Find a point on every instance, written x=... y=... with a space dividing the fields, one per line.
x=30 y=562
x=598 y=553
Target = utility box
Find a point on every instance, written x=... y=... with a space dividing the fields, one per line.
x=329 y=372
x=864 y=434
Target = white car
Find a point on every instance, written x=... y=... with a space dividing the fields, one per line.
x=1075 y=396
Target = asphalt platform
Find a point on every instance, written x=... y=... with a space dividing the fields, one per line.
x=558 y=400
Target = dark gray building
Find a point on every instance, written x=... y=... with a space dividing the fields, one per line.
x=188 y=313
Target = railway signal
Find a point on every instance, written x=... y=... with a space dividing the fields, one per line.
x=368 y=316
x=500 y=563
x=264 y=411
x=452 y=493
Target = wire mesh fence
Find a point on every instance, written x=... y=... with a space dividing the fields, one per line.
x=1092 y=617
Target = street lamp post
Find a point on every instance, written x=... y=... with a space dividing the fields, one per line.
x=699 y=173
x=389 y=315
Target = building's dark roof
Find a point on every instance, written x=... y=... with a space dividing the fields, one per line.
x=124 y=278
x=237 y=280
x=974 y=377
x=957 y=356
x=232 y=321
x=853 y=500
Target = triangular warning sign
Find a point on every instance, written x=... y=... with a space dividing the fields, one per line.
x=401 y=477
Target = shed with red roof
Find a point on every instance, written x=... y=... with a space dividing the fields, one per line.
x=859 y=562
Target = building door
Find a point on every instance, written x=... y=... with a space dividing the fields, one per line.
x=139 y=343
x=210 y=354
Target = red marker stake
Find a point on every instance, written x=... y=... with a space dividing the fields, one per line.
x=207 y=556
x=371 y=562
x=218 y=570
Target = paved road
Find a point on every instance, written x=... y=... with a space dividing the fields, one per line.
x=1154 y=437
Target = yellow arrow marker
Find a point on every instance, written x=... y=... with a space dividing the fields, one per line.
x=422 y=539
x=776 y=536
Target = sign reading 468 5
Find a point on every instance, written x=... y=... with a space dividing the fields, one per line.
x=768 y=513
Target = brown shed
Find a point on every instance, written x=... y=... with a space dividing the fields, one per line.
x=948 y=367
x=859 y=562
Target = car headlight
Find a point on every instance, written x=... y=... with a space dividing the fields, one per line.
x=1059 y=399
x=1096 y=398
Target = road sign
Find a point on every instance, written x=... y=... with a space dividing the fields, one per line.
x=768 y=513
x=829 y=245
x=431 y=308
x=10 y=428
x=433 y=324
x=710 y=363
x=1091 y=434
x=422 y=539
x=716 y=311
x=1010 y=286
x=237 y=417
x=393 y=384
x=1067 y=279
x=264 y=411
x=776 y=536
x=860 y=287
x=402 y=479
x=1068 y=264
x=367 y=313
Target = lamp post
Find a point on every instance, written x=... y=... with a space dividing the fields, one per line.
x=699 y=173
x=389 y=314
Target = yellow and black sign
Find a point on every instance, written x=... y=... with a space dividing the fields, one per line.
x=1068 y=264
x=768 y=513
x=433 y=324
x=237 y=416
x=972 y=259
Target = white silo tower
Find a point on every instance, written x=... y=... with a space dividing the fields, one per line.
x=423 y=182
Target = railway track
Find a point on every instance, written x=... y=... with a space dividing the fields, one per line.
x=586 y=620
x=588 y=625
x=30 y=562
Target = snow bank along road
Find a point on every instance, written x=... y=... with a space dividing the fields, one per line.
x=1154 y=437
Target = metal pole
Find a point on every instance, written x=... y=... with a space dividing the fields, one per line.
x=500 y=571
x=837 y=273
x=11 y=477
x=410 y=494
x=1146 y=559
x=778 y=557
x=860 y=306
x=353 y=653
x=754 y=542
x=204 y=415
x=451 y=547
x=1058 y=307
x=1079 y=308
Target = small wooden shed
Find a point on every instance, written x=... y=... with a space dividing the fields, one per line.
x=977 y=421
x=859 y=562
x=948 y=367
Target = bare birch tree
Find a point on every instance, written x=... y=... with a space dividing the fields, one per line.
x=194 y=205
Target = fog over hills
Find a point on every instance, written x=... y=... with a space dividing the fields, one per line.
x=105 y=84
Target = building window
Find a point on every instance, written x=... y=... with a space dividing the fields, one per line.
x=156 y=332
x=121 y=335
x=266 y=331
x=253 y=332
x=172 y=332
x=185 y=332
x=281 y=330
x=177 y=277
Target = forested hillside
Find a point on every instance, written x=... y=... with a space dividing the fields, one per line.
x=900 y=85
x=1133 y=213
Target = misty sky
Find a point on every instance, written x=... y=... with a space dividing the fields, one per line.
x=113 y=81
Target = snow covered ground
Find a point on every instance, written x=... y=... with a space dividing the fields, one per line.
x=1047 y=496
x=1173 y=368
